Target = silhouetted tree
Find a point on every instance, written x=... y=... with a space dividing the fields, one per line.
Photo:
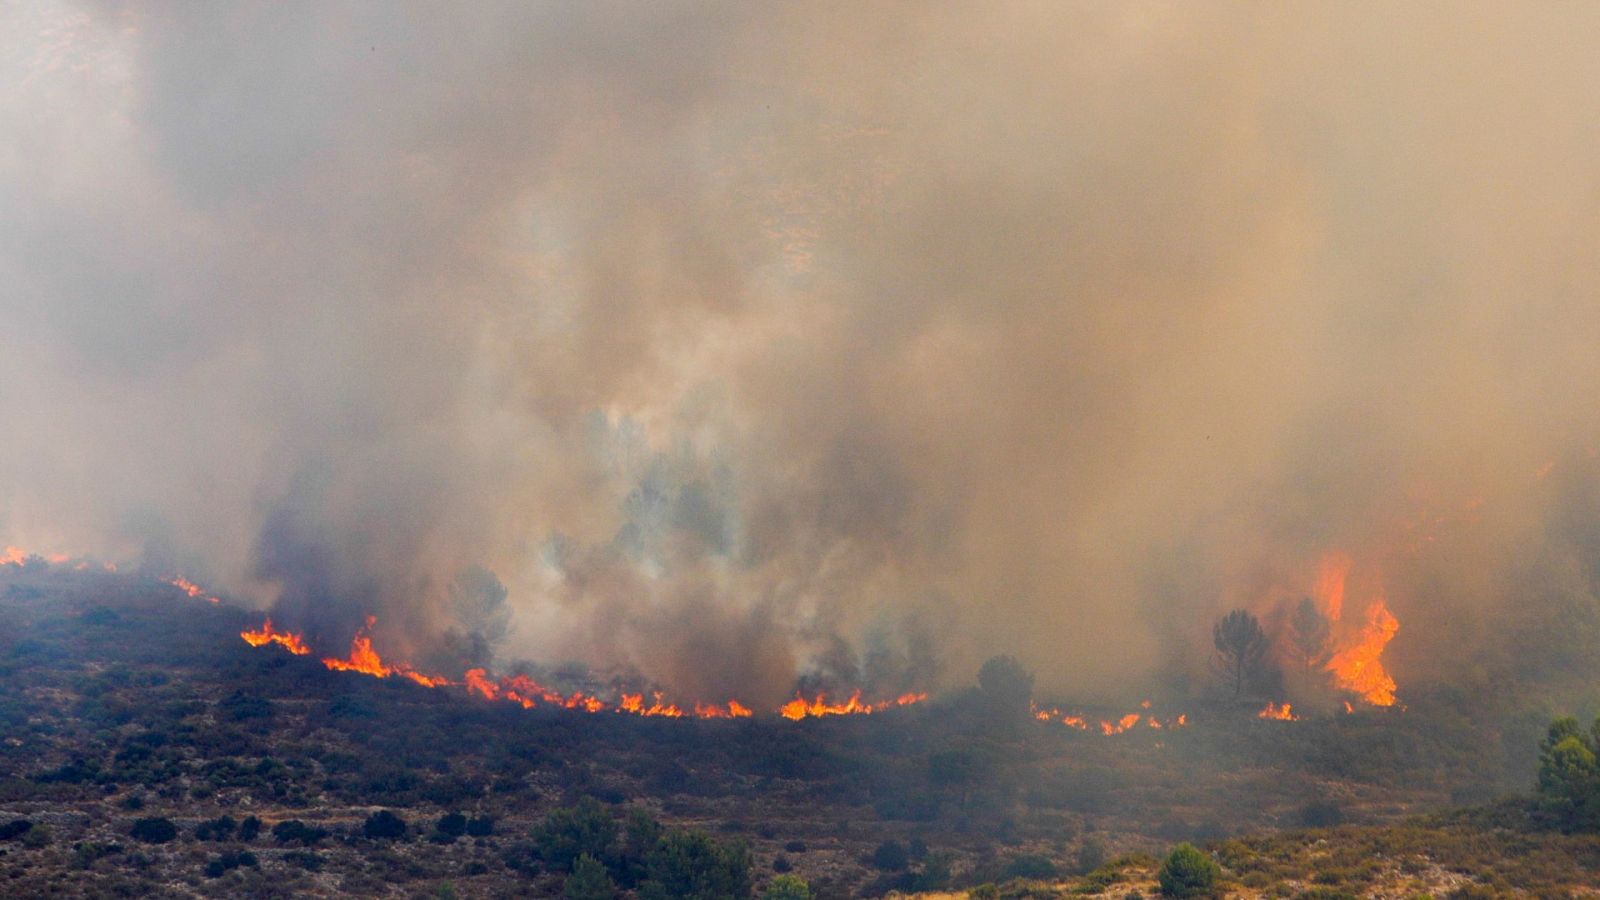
x=1309 y=631
x=1241 y=647
x=1007 y=687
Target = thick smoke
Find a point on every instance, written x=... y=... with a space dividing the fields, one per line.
x=738 y=345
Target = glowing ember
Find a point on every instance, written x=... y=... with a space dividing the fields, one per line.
x=266 y=635
x=1284 y=713
x=1107 y=726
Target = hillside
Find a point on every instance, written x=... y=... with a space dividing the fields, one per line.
x=127 y=700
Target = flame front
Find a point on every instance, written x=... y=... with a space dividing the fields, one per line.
x=266 y=635
x=366 y=660
x=800 y=708
x=528 y=693
x=1111 y=726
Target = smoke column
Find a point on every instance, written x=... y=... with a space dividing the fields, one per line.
x=737 y=344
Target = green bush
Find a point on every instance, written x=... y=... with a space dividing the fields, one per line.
x=589 y=880
x=689 y=864
x=1188 y=872
x=571 y=832
x=787 y=887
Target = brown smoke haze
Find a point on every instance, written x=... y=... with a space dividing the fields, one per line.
x=745 y=343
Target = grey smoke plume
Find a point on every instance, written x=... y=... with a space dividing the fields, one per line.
x=747 y=343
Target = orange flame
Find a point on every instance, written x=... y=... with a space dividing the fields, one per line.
x=1356 y=663
x=1284 y=713
x=1109 y=727
x=366 y=660
x=528 y=693
x=192 y=589
x=799 y=708
x=264 y=636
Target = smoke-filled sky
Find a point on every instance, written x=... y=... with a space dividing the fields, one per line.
x=749 y=342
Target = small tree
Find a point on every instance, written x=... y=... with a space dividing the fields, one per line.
x=1007 y=686
x=589 y=880
x=689 y=864
x=1188 y=872
x=1241 y=647
x=570 y=832
x=1309 y=631
x=1569 y=774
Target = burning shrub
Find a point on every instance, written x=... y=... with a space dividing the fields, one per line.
x=1188 y=872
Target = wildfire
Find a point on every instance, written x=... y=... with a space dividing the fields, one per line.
x=266 y=635
x=1357 y=661
x=528 y=693
x=16 y=556
x=366 y=660
x=1110 y=726
x=799 y=708
x=1284 y=713
x=192 y=589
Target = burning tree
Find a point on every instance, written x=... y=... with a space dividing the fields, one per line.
x=1241 y=648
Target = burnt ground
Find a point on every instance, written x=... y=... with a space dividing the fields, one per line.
x=124 y=700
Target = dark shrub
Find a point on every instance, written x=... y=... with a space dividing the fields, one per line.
x=891 y=856
x=1031 y=865
x=294 y=831
x=1321 y=814
x=453 y=824
x=14 y=829
x=384 y=825
x=153 y=831
x=249 y=828
x=480 y=826
x=219 y=829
